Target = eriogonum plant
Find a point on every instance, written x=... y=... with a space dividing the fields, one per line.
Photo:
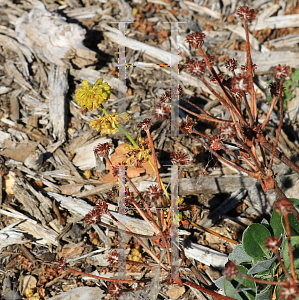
x=243 y=131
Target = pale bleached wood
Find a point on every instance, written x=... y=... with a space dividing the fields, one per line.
x=214 y=185
x=67 y=163
x=203 y=10
x=255 y=44
x=278 y=22
x=266 y=61
x=289 y=40
x=85 y=158
x=34 y=202
x=51 y=38
x=58 y=88
x=155 y=52
x=42 y=234
x=10 y=236
x=20 y=49
x=17 y=76
x=206 y=255
x=81 y=293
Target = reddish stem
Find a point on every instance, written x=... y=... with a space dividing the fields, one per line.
x=283 y=265
x=269 y=112
x=207 y=118
x=205 y=290
x=249 y=66
x=288 y=230
x=280 y=123
x=261 y=280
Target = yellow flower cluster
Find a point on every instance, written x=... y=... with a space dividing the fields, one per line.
x=93 y=97
x=137 y=156
x=107 y=124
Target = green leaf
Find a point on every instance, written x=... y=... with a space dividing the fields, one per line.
x=239 y=255
x=220 y=283
x=295 y=202
x=276 y=224
x=294 y=225
x=262 y=266
x=295 y=75
x=240 y=288
x=295 y=249
x=254 y=241
x=266 y=295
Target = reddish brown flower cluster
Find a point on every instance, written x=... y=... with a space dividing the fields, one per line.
x=188 y=126
x=115 y=290
x=272 y=243
x=113 y=258
x=214 y=80
x=60 y=264
x=215 y=143
x=246 y=14
x=230 y=270
x=166 y=97
x=179 y=158
x=196 y=39
x=161 y=111
x=240 y=83
x=102 y=149
x=196 y=68
x=244 y=68
x=281 y=71
x=115 y=168
x=231 y=64
x=95 y=215
x=227 y=131
x=145 y=124
x=153 y=193
x=284 y=206
x=289 y=291
x=274 y=89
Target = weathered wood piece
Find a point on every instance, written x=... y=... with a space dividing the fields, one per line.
x=10 y=235
x=34 y=202
x=266 y=61
x=58 y=87
x=67 y=163
x=214 y=185
x=203 y=10
x=51 y=38
x=276 y=22
x=255 y=44
x=85 y=158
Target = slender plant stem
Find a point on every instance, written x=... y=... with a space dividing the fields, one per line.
x=288 y=230
x=248 y=109
x=250 y=173
x=280 y=124
x=283 y=265
x=206 y=118
x=228 y=98
x=262 y=281
x=249 y=66
x=214 y=233
x=205 y=290
x=281 y=157
x=269 y=112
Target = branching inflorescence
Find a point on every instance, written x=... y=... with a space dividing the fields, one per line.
x=242 y=131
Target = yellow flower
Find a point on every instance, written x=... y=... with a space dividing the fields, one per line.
x=137 y=156
x=107 y=125
x=93 y=97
